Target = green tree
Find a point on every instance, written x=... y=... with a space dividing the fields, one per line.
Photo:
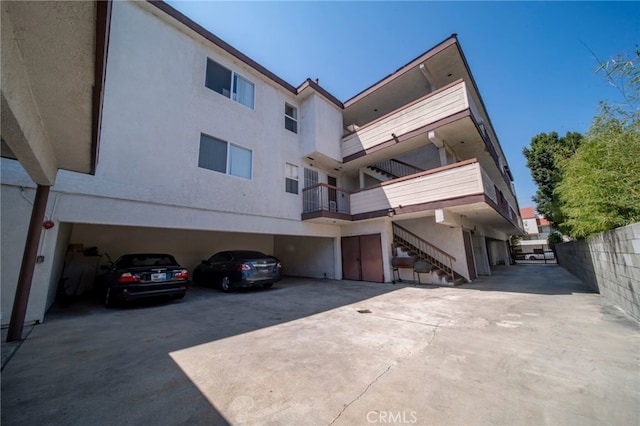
x=544 y=159
x=623 y=73
x=600 y=187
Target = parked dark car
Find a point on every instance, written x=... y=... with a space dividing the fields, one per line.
x=142 y=275
x=234 y=269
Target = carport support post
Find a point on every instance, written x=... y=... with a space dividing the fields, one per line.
x=28 y=265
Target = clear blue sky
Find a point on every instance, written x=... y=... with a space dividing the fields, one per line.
x=528 y=58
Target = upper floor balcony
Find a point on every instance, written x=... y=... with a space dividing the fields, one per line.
x=449 y=113
x=424 y=111
x=463 y=188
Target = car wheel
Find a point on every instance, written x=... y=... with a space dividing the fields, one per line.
x=267 y=285
x=532 y=258
x=225 y=285
x=179 y=296
x=108 y=299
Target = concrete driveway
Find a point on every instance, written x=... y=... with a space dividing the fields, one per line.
x=529 y=345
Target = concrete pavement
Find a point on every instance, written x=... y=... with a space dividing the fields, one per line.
x=528 y=345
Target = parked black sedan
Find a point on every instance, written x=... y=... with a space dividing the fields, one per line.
x=142 y=275
x=234 y=269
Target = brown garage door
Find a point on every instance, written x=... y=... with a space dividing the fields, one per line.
x=362 y=258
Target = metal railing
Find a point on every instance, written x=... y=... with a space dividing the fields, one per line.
x=396 y=168
x=323 y=197
x=424 y=250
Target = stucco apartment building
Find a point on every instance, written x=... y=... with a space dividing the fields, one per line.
x=152 y=134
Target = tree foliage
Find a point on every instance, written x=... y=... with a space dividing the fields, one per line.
x=544 y=159
x=623 y=73
x=600 y=188
x=592 y=184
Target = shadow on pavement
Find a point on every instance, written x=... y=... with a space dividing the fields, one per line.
x=90 y=365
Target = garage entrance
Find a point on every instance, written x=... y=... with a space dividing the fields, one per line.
x=362 y=258
x=84 y=247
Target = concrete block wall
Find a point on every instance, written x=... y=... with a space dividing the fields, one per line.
x=610 y=263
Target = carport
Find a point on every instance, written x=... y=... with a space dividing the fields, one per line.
x=91 y=245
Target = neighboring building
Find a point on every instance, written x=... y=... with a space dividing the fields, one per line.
x=537 y=229
x=201 y=149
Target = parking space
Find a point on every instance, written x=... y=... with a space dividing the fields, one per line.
x=524 y=346
x=92 y=246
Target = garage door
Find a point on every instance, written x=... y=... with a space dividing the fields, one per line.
x=362 y=258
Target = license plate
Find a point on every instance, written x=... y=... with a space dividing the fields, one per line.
x=158 y=277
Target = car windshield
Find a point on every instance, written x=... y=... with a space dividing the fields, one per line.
x=146 y=259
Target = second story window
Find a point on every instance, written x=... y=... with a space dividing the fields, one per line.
x=229 y=84
x=224 y=157
x=290 y=118
x=291 y=178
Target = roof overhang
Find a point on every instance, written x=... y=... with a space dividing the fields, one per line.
x=53 y=62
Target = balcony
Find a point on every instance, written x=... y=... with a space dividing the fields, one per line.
x=417 y=116
x=464 y=188
x=326 y=201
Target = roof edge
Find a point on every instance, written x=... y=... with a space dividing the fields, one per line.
x=308 y=83
x=452 y=39
x=189 y=23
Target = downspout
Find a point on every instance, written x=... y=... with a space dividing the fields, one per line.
x=28 y=264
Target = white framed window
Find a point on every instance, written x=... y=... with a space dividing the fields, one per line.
x=229 y=84
x=290 y=118
x=225 y=157
x=291 y=178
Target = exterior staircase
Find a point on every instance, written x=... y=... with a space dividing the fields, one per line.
x=436 y=262
x=394 y=169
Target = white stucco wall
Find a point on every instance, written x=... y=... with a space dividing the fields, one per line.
x=444 y=237
x=425 y=158
x=530 y=226
x=321 y=123
x=189 y=247
x=16 y=214
x=156 y=107
x=306 y=256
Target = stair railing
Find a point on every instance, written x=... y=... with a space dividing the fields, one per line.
x=424 y=250
x=396 y=168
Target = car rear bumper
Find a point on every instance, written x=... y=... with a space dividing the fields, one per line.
x=257 y=281
x=139 y=291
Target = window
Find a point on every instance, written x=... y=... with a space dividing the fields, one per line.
x=220 y=79
x=290 y=118
x=291 y=178
x=311 y=198
x=310 y=177
x=224 y=157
